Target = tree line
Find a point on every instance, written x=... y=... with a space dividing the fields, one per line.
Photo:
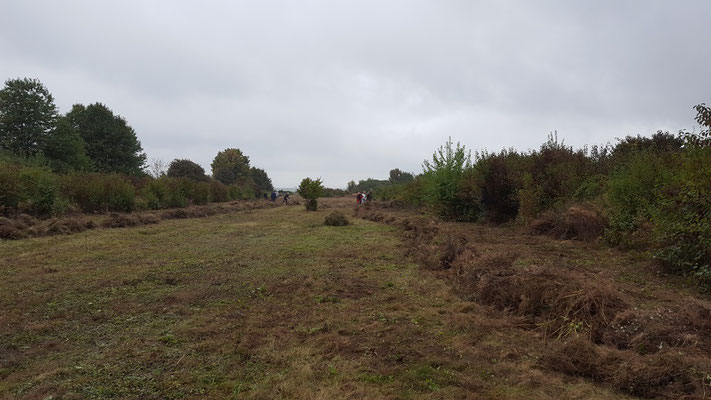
x=47 y=159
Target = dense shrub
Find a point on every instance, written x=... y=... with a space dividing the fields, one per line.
x=632 y=194
x=442 y=180
x=238 y=192
x=93 y=192
x=683 y=218
x=499 y=197
x=557 y=171
x=218 y=192
x=31 y=190
x=311 y=205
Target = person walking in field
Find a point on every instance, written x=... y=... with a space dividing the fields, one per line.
x=369 y=196
x=285 y=200
x=274 y=196
x=359 y=198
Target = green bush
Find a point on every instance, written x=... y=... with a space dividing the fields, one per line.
x=311 y=205
x=632 y=194
x=93 y=192
x=442 y=181
x=683 y=217
x=218 y=192
x=11 y=187
x=201 y=193
x=311 y=190
x=29 y=189
x=237 y=192
x=498 y=191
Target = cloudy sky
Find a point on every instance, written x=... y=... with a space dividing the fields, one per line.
x=351 y=89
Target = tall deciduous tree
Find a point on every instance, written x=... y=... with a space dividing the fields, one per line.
x=183 y=168
x=27 y=116
x=65 y=150
x=111 y=143
x=261 y=179
x=231 y=166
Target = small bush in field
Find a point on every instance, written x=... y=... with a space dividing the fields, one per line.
x=311 y=205
x=311 y=190
x=336 y=218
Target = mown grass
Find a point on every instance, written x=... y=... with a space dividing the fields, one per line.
x=262 y=304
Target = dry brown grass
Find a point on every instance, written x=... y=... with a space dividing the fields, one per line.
x=25 y=226
x=579 y=222
x=602 y=316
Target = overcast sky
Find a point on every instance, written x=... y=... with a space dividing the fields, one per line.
x=351 y=89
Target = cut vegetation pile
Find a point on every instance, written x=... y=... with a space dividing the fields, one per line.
x=597 y=327
x=24 y=226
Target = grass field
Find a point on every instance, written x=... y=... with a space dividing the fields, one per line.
x=265 y=304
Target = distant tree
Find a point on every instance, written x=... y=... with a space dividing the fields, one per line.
x=65 y=150
x=231 y=166
x=370 y=184
x=183 y=168
x=397 y=176
x=111 y=143
x=157 y=168
x=311 y=190
x=261 y=180
x=27 y=116
x=351 y=187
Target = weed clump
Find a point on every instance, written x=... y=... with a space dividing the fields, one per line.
x=336 y=218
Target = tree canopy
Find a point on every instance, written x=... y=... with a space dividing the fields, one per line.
x=183 y=168
x=111 y=143
x=27 y=116
x=397 y=176
x=231 y=166
x=65 y=150
x=261 y=179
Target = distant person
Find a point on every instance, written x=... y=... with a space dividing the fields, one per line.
x=274 y=196
x=265 y=196
x=359 y=198
x=369 y=196
x=285 y=200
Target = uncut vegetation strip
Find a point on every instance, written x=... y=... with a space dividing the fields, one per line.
x=597 y=327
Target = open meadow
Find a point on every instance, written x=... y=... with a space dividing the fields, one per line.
x=272 y=303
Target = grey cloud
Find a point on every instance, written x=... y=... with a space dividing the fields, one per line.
x=348 y=90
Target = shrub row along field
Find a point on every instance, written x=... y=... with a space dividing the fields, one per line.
x=606 y=315
x=643 y=193
x=37 y=191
